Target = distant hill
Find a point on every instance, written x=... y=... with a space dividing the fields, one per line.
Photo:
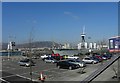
x=37 y=44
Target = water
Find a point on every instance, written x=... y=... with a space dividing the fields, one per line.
x=17 y=53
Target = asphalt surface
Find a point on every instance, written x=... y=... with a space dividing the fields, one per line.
x=12 y=72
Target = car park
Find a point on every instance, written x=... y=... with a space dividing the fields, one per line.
x=26 y=62
x=67 y=64
x=77 y=61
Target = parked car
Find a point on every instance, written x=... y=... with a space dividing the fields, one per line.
x=73 y=57
x=77 y=61
x=89 y=60
x=95 y=58
x=26 y=62
x=57 y=56
x=99 y=57
x=67 y=64
x=108 y=56
x=45 y=56
x=50 y=60
x=104 y=57
x=35 y=57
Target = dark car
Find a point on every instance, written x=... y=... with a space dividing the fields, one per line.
x=99 y=57
x=67 y=64
x=26 y=62
x=95 y=58
x=105 y=57
x=109 y=55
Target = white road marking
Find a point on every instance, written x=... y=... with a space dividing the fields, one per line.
x=14 y=68
x=9 y=76
x=49 y=69
x=4 y=80
x=26 y=77
x=23 y=77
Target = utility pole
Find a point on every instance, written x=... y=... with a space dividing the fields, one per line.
x=11 y=44
x=9 y=47
x=30 y=61
x=30 y=54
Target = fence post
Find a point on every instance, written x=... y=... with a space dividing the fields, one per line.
x=118 y=68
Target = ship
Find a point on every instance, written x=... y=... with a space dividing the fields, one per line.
x=70 y=52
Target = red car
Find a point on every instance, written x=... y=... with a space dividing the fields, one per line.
x=99 y=57
x=57 y=56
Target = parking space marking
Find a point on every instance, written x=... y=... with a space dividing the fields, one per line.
x=23 y=77
x=4 y=80
x=8 y=76
x=14 y=68
x=14 y=75
x=58 y=72
x=49 y=69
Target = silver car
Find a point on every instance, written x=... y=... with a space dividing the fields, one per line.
x=50 y=60
x=89 y=60
x=77 y=61
x=26 y=62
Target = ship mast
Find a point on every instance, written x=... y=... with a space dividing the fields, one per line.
x=83 y=37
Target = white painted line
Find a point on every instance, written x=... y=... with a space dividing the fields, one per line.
x=4 y=80
x=26 y=77
x=15 y=68
x=50 y=69
x=8 y=76
x=23 y=77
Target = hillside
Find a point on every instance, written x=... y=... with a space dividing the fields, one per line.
x=38 y=44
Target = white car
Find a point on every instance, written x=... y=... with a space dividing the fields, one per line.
x=45 y=56
x=89 y=60
x=73 y=57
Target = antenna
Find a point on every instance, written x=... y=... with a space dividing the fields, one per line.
x=84 y=29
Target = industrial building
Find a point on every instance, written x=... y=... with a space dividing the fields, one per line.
x=114 y=44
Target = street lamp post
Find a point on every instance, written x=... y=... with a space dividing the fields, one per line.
x=8 y=49
x=118 y=68
x=30 y=54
